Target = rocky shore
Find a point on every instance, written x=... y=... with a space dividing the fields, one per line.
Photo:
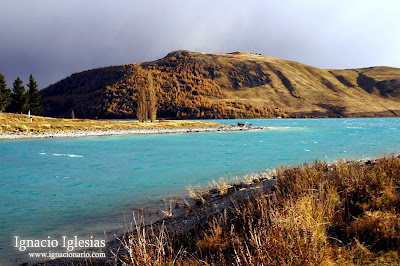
x=184 y=214
x=110 y=132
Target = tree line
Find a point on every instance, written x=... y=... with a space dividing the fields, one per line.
x=18 y=100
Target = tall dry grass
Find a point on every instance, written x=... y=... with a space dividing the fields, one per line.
x=318 y=214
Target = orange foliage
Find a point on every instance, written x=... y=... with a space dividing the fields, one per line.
x=184 y=90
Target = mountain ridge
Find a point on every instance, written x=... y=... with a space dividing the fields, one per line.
x=232 y=85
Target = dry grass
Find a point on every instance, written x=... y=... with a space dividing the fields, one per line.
x=222 y=187
x=311 y=86
x=22 y=123
x=320 y=214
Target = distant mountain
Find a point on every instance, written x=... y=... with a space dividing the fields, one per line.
x=233 y=85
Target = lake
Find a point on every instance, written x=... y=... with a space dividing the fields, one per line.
x=79 y=186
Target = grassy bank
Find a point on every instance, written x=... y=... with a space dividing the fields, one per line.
x=22 y=123
x=316 y=214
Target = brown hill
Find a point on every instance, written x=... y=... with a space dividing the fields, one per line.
x=234 y=85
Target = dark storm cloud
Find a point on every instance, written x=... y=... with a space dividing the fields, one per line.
x=53 y=39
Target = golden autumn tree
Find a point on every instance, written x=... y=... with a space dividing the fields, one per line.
x=142 y=110
x=152 y=103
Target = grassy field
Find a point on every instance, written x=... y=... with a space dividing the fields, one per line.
x=346 y=213
x=22 y=123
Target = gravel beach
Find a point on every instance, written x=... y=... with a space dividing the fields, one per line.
x=109 y=132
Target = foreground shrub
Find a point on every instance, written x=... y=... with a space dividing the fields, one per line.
x=319 y=214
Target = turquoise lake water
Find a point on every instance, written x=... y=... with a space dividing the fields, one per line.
x=54 y=187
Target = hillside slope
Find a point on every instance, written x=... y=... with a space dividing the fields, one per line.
x=234 y=85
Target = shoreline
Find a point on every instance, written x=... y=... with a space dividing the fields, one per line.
x=185 y=212
x=190 y=213
x=119 y=132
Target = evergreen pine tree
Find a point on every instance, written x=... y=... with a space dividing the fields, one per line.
x=5 y=94
x=19 y=101
x=34 y=97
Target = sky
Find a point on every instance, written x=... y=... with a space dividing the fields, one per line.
x=52 y=39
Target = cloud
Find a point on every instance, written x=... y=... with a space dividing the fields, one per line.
x=53 y=39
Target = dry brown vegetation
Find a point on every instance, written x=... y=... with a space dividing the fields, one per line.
x=320 y=214
x=21 y=123
x=236 y=85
